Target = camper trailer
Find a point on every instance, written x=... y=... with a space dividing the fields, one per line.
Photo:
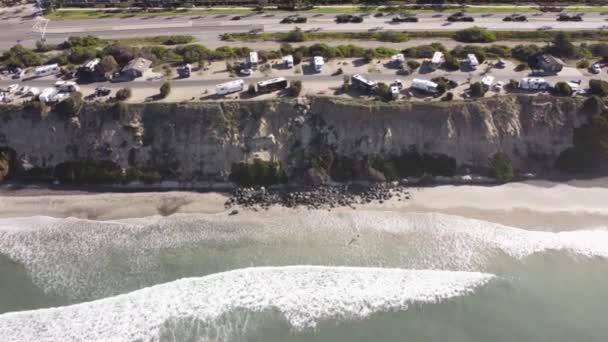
x=253 y=59
x=48 y=94
x=318 y=63
x=362 y=83
x=472 y=60
x=229 y=87
x=437 y=60
x=272 y=85
x=424 y=85
x=46 y=70
x=533 y=83
x=184 y=71
x=397 y=60
x=487 y=81
x=288 y=61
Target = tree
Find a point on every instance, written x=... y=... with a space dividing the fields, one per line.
x=451 y=63
x=598 y=87
x=562 y=89
x=107 y=65
x=562 y=45
x=165 y=89
x=295 y=88
x=295 y=35
x=20 y=57
x=477 y=89
x=71 y=105
x=368 y=55
x=413 y=64
x=383 y=92
x=501 y=167
x=123 y=94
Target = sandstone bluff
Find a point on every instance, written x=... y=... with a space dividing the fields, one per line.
x=201 y=141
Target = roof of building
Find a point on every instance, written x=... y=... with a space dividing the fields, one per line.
x=140 y=64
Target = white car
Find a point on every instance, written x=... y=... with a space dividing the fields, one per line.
x=12 y=88
x=499 y=86
x=595 y=68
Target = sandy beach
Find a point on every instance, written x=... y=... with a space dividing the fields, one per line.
x=535 y=205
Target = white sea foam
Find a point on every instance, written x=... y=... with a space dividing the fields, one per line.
x=303 y=295
x=84 y=260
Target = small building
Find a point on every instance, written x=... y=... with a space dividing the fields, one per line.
x=549 y=64
x=472 y=61
x=288 y=61
x=184 y=71
x=136 y=68
x=318 y=63
x=46 y=70
x=229 y=87
x=438 y=59
x=424 y=85
x=533 y=83
x=363 y=83
x=397 y=60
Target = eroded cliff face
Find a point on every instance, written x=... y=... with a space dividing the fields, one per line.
x=200 y=141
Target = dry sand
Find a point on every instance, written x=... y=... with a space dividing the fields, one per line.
x=530 y=205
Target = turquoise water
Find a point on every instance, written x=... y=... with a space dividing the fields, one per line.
x=533 y=286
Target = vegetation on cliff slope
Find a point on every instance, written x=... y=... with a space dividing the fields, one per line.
x=259 y=172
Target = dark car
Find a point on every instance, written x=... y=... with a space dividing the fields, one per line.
x=459 y=16
x=294 y=20
x=348 y=18
x=566 y=17
x=408 y=19
x=102 y=91
x=236 y=17
x=515 y=17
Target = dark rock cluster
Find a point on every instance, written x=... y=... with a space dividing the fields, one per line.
x=318 y=197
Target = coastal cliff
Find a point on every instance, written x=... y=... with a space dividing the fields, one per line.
x=201 y=141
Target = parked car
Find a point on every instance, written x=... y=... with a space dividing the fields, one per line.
x=460 y=16
x=567 y=17
x=348 y=18
x=595 y=68
x=406 y=19
x=236 y=17
x=12 y=88
x=498 y=86
x=294 y=20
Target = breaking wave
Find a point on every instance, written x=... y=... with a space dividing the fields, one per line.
x=84 y=260
x=303 y=295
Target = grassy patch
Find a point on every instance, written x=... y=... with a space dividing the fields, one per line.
x=92 y=14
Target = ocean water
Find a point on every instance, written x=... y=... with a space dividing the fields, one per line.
x=300 y=276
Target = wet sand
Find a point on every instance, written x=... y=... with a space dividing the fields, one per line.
x=530 y=205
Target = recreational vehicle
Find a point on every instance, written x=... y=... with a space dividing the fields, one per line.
x=472 y=60
x=229 y=87
x=397 y=60
x=487 y=81
x=362 y=83
x=424 y=85
x=288 y=61
x=46 y=70
x=48 y=94
x=272 y=85
x=318 y=63
x=437 y=60
x=253 y=59
x=533 y=83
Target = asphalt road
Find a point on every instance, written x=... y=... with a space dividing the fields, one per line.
x=207 y=28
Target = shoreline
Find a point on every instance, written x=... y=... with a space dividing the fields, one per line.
x=533 y=205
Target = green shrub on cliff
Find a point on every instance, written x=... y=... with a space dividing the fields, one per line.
x=562 y=89
x=70 y=106
x=89 y=172
x=7 y=161
x=259 y=172
x=501 y=167
x=589 y=153
x=598 y=87
x=295 y=88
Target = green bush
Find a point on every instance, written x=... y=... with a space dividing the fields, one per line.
x=521 y=67
x=413 y=64
x=392 y=36
x=165 y=89
x=424 y=51
x=259 y=172
x=368 y=56
x=451 y=63
x=562 y=89
x=582 y=64
x=448 y=97
x=501 y=167
x=20 y=57
x=525 y=52
x=598 y=87
x=82 y=41
x=145 y=175
x=383 y=92
x=295 y=88
x=123 y=94
x=477 y=89
x=81 y=54
x=474 y=35
x=91 y=172
x=70 y=106
x=7 y=162
x=295 y=35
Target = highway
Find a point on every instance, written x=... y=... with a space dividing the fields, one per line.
x=207 y=28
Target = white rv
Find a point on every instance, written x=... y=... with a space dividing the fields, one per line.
x=424 y=85
x=438 y=59
x=288 y=61
x=229 y=87
x=472 y=60
x=533 y=83
x=48 y=94
x=363 y=83
x=318 y=63
x=253 y=59
x=46 y=70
